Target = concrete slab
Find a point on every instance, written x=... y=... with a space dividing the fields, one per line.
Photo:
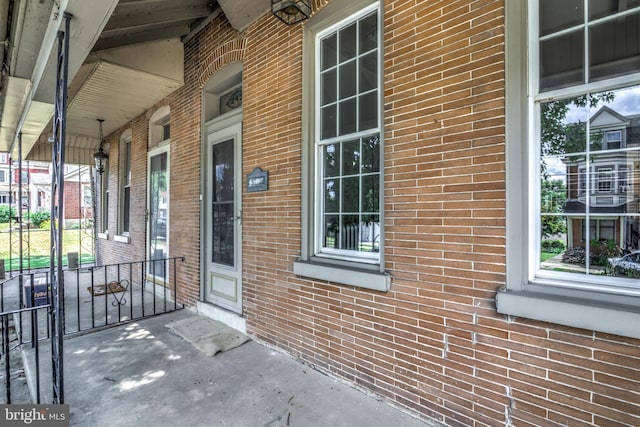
x=142 y=374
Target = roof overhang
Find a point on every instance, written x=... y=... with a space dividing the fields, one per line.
x=241 y=13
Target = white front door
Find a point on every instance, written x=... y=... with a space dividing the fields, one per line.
x=223 y=210
x=158 y=214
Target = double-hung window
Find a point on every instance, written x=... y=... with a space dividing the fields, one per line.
x=579 y=76
x=125 y=184
x=343 y=228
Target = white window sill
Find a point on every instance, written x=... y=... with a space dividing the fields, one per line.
x=121 y=239
x=614 y=314
x=104 y=236
x=358 y=277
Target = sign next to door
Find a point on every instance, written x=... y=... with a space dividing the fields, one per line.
x=257 y=180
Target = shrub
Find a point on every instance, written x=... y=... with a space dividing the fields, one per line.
x=38 y=217
x=574 y=256
x=6 y=213
x=601 y=251
x=553 y=246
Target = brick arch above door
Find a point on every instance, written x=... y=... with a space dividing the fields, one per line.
x=232 y=51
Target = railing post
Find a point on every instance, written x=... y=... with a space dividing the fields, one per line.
x=57 y=199
x=7 y=357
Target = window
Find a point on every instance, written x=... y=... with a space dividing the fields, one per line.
x=605 y=176
x=104 y=199
x=613 y=139
x=4 y=158
x=125 y=183
x=579 y=64
x=623 y=182
x=343 y=214
x=3 y=176
x=599 y=230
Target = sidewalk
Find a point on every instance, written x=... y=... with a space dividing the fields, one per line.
x=142 y=374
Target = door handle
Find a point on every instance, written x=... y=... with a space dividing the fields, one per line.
x=238 y=218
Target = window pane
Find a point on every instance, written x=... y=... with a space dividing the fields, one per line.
x=331 y=227
x=351 y=157
x=349 y=233
x=370 y=193
x=328 y=82
x=370 y=233
x=368 y=111
x=589 y=182
x=600 y=8
x=368 y=33
x=328 y=53
x=348 y=42
x=562 y=61
x=350 y=194
x=223 y=172
x=371 y=154
x=222 y=235
x=331 y=160
x=332 y=195
x=328 y=122
x=614 y=47
x=368 y=72
x=558 y=15
x=625 y=262
x=126 y=201
x=348 y=116
x=347 y=79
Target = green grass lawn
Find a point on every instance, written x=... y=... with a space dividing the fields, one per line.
x=36 y=247
x=546 y=255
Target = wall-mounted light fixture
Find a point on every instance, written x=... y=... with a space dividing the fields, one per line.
x=100 y=157
x=291 y=11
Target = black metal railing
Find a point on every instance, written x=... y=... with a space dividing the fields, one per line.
x=93 y=298
x=105 y=295
x=21 y=309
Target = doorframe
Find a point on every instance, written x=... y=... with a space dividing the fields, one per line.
x=151 y=153
x=217 y=124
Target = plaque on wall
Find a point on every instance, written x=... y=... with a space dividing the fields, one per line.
x=257 y=180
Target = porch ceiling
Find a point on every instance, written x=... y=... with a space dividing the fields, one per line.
x=136 y=61
x=125 y=56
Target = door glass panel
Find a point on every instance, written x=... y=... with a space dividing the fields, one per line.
x=158 y=214
x=223 y=205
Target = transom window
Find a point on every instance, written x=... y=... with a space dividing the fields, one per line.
x=348 y=138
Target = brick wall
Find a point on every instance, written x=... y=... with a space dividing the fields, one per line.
x=433 y=344
x=73 y=199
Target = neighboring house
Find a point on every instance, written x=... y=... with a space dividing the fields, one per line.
x=5 y=179
x=607 y=180
x=362 y=189
x=78 y=195
x=35 y=185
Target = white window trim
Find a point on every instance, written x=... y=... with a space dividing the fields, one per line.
x=123 y=236
x=557 y=299
x=348 y=272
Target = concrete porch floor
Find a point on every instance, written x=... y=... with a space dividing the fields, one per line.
x=142 y=374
